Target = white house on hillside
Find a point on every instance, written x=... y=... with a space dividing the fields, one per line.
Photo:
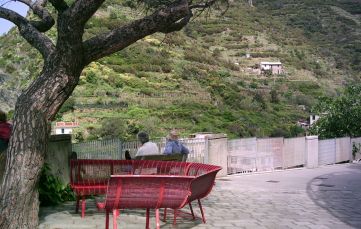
x=65 y=127
x=275 y=67
x=314 y=118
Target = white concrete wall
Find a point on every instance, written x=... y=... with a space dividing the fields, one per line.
x=59 y=151
x=312 y=151
x=343 y=149
x=294 y=151
x=218 y=153
x=326 y=152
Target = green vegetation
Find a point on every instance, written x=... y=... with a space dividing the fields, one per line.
x=341 y=115
x=51 y=190
x=201 y=79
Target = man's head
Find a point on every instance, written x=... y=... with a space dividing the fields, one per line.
x=143 y=137
x=173 y=135
x=2 y=116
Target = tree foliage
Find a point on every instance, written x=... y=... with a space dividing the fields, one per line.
x=341 y=115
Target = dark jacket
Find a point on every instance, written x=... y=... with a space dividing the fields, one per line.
x=5 y=133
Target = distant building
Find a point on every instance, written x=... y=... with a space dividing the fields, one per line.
x=65 y=127
x=275 y=67
x=313 y=119
x=303 y=123
x=302 y=107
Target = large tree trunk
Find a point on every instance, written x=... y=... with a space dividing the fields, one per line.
x=25 y=157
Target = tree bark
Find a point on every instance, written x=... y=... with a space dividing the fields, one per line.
x=20 y=203
x=31 y=129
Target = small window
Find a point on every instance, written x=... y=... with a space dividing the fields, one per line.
x=62 y=131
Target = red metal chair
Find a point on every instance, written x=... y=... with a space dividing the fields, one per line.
x=145 y=191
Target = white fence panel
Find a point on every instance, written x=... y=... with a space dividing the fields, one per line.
x=242 y=155
x=132 y=147
x=196 y=146
x=246 y=147
x=239 y=164
x=265 y=163
x=326 y=152
x=343 y=149
x=267 y=147
x=105 y=149
x=197 y=149
x=294 y=150
x=356 y=142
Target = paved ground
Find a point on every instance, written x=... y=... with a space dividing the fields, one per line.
x=326 y=197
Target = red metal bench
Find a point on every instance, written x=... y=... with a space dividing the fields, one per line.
x=90 y=177
x=145 y=192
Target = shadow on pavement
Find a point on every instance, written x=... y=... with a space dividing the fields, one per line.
x=340 y=194
x=134 y=218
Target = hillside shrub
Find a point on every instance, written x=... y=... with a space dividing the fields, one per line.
x=198 y=56
x=91 y=77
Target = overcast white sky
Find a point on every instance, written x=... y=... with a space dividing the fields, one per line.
x=16 y=6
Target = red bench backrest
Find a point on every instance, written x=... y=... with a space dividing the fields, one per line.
x=147 y=191
x=204 y=179
x=149 y=167
x=96 y=172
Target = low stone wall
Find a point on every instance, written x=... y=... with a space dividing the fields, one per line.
x=57 y=157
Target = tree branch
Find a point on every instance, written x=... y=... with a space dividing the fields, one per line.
x=38 y=40
x=38 y=7
x=82 y=10
x=59 y=5
x=177 y=25
x=167 y=19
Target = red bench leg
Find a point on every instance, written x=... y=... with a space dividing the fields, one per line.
x=175 y=217
x=165 y=215
x=190 y=206
x=147 y=219
x=83 y=207
x=157 y=218
x=77 y=204
x=107 y=219
x=115 y=215
x=200 y=206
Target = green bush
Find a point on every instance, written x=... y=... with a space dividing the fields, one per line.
x=51 y=190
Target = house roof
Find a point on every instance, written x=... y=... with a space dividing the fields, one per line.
x=270 y=63
x=66 y=124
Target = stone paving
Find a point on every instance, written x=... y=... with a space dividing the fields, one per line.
x=325 y=197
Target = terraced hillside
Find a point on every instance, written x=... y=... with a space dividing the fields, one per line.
x=202 y=78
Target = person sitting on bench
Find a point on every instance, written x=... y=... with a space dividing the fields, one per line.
x=147 y=148
x=173 y=146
